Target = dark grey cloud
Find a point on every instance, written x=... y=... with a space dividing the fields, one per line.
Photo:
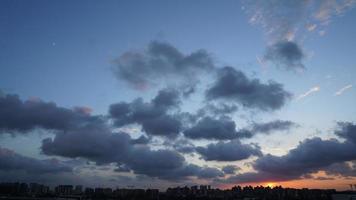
x=164 y=125
x=95 y=143
x=347 y=130
x=286 y=54
x=209 y=172
x=22 y=116
x=11 y=161
x=269 y=127
x=162 y=62
x=102 y=146
x=209 y=128
x=224 y=128
x=230 y=169
x=167 y=98
x=265 y=128
x=248 y=177
x=323 y=178
x=310 y=156
x=233 y=85
x=228 y=151
x=159 y=163
x=182 y=145
x=153 y=116
x=345 y=169
x=122 y=168
x=220 y=109
x=167 y=164
x=191 y=170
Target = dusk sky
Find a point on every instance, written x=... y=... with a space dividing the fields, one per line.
x=171 y=93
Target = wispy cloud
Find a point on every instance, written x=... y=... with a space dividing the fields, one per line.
x=262 y=63
x=285 y=20
x=309 y=92
x=286 y=23
x=342 y=90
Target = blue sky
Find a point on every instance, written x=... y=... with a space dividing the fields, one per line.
x=65 y=52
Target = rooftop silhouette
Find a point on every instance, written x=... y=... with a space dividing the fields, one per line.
x=16 y=190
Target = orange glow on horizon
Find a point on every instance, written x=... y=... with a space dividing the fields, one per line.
x=338 y=184
x=270 y=184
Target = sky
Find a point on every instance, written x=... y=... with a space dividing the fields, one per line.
x=167 y=93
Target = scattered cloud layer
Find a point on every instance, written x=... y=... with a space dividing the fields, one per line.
x=169 y=135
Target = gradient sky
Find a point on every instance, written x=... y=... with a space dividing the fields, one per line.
x=87 y=56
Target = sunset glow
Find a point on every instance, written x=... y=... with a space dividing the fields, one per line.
x=271 y=185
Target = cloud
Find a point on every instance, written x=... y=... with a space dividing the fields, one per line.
x=195 y=170
x=95 y=143
x=218 y=109
x=309 y=92
x=268 y=127
x=310 y=156
x=323 y=178
x=167 y=98
x=122 y=168
x=342 y=90
x=279 y=19
x=99 y=144
x=210 y=172
x=286 y=22
x=11 y=161
x=345 y=169
x=311 y=27
x=228 y=151
x=224 y=128
x=233 y=85
x=162 y=62
x=155 y=163
x=307 y=157
x=22 y=116
x=209 y=128
x=230 y=169
x=182 y=145
x=141 y=140
x=346 y=130
x=286 y=54
x=153 y=116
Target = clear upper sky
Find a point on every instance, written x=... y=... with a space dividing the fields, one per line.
x=71 y=53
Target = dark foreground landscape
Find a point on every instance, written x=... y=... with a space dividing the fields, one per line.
x=39 y=191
